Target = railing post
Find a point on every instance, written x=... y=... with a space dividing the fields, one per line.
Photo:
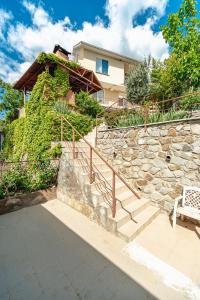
x=73 y=144
x=146 y=113
x=61 y=129
x=96 y=133
x=92 y=179
x=113 y=195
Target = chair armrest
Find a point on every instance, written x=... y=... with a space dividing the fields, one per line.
x=177 y=200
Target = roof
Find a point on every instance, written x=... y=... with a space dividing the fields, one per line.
x=79 y=78
x=105 y=52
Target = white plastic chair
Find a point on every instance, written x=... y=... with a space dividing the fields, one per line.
x=188 y=204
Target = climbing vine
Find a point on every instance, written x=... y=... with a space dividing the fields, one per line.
x=51 y=57
x=30 y=137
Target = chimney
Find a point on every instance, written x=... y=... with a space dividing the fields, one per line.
x=61 y=52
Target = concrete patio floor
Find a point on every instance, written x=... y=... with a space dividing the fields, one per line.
x=50 y=251
x=179 y=247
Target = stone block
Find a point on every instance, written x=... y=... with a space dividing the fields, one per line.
x=141 y=142
x=158 y=187
x=159 y=163
x=174 y=167
x=154 y=148
x=154 y=132
x=172 y=132
x=166 y=173
x=177 y=161
x=187 y=128
x=163 y=132
x=184 y=155
x=148 y=189
x=149 y=154
x=154 y=170
x=195 y=128
x=136 y=162
x=176 y=146
x=156 y=196
x=166 y=147
x=162 y=154
x=187 y=148
x=177 y=139
x=178 y=173
x=134 y=175
x=126 y=164
x=191 y=165
x=152 y=142
x=189 y=139
x=148 y=177
x=164 y=190
x=166 y=140
x=141 y=182
x=146 y=167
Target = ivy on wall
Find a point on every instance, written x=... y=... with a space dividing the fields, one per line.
x=51 y=57
x=30 y=137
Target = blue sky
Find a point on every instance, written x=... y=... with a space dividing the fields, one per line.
x=130 y=27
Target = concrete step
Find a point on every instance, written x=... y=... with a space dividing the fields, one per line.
x=83 y=155
x=134 y=207
x=131 y=229
x=107 y=173
x=125 y=213
x=132 y=214
x=119 y=185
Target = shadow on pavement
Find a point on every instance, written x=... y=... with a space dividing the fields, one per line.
x=40 y=258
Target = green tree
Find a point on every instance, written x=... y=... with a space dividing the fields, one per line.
x=11 y=101
x=163 y=83
x=182 y=33
x=88 y=105
x=137 y=83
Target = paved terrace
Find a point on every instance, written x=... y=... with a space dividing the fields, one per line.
x=50 y=251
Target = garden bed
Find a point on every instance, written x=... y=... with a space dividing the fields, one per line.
x=25 y=199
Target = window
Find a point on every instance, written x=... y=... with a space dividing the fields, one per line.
x=99 y=96
x=122 y=102
x=102 y=66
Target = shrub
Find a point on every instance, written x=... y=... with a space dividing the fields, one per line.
x=190 y=102
x=81 y=123
x=138 y=118
x=61 y=107
x=88 y=105
x=16 y=179
x=111 y=118
x=56 y=151
x=29 y=177
x=45 y=175
x=2 y=192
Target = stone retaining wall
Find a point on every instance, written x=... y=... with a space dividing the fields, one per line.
x=157 y=161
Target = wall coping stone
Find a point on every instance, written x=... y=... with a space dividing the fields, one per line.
x=190 y=120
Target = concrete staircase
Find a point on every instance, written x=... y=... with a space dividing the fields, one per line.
x=132 y=214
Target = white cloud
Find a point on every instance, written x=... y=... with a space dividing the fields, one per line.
x=119 y=36
x=4 y=18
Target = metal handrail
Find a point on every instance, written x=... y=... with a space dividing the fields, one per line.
x=92 y=149
x=102 y=184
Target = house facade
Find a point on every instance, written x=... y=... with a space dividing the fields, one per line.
x=110 y=69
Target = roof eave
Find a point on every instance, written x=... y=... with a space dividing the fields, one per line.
x=108 y=52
